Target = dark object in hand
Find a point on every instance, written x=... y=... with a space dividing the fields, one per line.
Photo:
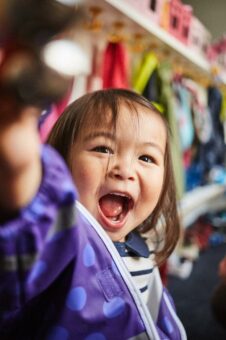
x=26 y=26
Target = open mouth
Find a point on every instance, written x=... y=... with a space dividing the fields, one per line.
x=114 y=207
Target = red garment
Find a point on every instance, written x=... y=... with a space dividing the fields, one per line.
x=115 y=63
x=94 y=79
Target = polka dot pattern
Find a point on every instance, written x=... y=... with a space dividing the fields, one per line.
x=168 y=325
x=76 y=299
x=80 y=304
x=95 y=336
x=114 y=308
x=89 y=257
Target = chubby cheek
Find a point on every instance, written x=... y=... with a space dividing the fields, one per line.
x=82 y=179
x=86 y=180
x=151 y=192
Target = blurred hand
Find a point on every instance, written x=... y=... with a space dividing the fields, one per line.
x=20 y=165
x=27 y=85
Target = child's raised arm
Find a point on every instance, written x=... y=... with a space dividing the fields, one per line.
x=27 y=84
x=20 y=165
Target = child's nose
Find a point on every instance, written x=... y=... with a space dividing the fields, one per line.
x=123 y=169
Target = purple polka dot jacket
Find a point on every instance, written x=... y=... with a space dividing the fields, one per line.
x=61 y=277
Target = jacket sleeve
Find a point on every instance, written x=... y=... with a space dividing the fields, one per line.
x=23 y=239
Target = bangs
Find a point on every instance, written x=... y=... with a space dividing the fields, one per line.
x=95 y=111
x=102 y=113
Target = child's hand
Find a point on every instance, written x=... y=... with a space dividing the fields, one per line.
x=20 y=166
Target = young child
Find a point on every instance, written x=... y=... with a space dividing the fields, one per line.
x=62 y=277
x=119 y=135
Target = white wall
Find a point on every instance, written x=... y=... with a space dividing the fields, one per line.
x=212 y=13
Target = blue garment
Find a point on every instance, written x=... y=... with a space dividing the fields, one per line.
x=134 y=245
x=213 y=152
x=61 y=276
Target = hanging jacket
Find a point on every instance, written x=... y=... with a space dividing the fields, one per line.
x=143 y=73
x=167 y=100
x=61 y=276
x=201 y=114
x=183 y=114
x=212 y=153
x=115 y=66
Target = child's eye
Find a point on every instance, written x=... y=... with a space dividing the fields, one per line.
x=147 y=159
x=102 y=149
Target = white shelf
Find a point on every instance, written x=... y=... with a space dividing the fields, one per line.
x=200 y=201
x=150 y=27
x=193 y=63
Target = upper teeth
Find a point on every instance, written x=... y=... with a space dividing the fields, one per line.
x=120 y=194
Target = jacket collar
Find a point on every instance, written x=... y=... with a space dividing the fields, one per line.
x=134 y=245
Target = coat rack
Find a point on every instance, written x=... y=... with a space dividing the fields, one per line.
x=124 y=22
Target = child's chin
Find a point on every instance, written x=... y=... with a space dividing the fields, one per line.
x=115 y=236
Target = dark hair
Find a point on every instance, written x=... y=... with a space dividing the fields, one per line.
x=91 y=110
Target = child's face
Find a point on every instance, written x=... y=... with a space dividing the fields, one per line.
x=119 y=179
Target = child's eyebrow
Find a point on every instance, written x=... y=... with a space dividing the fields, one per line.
x=110 y=136
x=104 y=134
x=155 y=145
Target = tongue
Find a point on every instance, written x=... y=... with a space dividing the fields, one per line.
x=111 y=205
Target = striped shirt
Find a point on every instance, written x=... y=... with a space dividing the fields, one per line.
x=138 y=259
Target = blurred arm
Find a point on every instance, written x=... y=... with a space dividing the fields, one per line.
x=20 y=164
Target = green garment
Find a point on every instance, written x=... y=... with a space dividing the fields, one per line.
x=167 y=100
x=143 y=71
x=223 y=108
